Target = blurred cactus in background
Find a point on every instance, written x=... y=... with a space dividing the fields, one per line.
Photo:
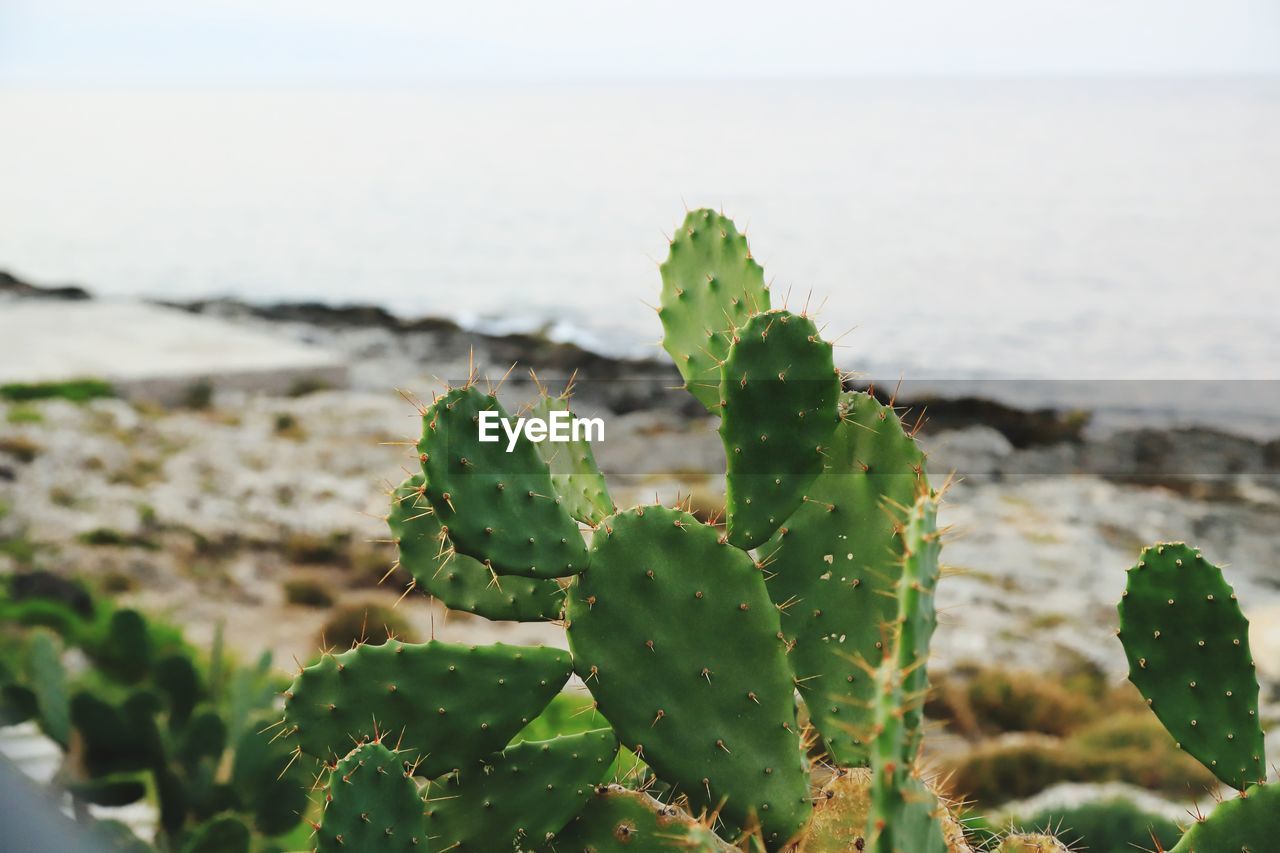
x=139 y=713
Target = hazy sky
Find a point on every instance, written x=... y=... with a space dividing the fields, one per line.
x=389 y=41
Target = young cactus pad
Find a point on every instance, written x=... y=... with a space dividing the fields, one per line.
x=710 y=285
x=574 y=472
x=443 y=703
x=519 y=798
x=459 y=581
x=1248 y=822
x=919 y=823
x=780 y=392
x=1188 y=649
x=674 y=634
x=835 y=566
x=498 y=507
x=371 y=803
x=917 y=614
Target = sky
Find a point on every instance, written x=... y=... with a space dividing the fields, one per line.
x=304 y=42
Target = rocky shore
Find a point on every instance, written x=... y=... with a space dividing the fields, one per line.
x=262 y=512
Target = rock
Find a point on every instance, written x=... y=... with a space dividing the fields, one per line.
x=11 y=285
x=51 y=587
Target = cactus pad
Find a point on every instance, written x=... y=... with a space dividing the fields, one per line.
x=1249 y=823
x=371 y=803
x=226 y=834
x=917 y=615
x=674 y=634
x=268 y=779
x=618 y=820
x=48 y=680
x=835 y=565
x=1188 y=649
x=780 y=393
x=459 y=581
x=918 y=823
x=518 y=798
x=574 y=472
x=710 y=285
x=498 y=507
x=840 y=817
x=446 y=705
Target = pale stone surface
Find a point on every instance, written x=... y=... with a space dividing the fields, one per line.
x=145 y=348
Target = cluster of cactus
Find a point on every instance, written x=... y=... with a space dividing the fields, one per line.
x=748 y=669
x=147 y=717
x=758 y=684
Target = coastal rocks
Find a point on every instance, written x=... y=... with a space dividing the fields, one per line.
x=13 y=287
x=384 y=349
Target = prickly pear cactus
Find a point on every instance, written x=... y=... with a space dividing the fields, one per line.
x=48 y=680
x=917 y=614
x=461 y=582
x=840 y=815
x=1188 y=649
x=371 y=803
x=710 y=285
x=779 y=389
x=445 y=704
x=574 y=473
x=619 y=820
x=674 y=634
x=905 y=816
x=1248 y=822
x=499 y=507
x=834 y=568
x=518 y=798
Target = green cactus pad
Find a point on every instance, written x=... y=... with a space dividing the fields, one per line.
x=618 y=820
x=204 y=737
x=270 y=781
x=917 y=823
x=574 y=472
x=780 y=393
x=834 y=568
x=225 y=834
x=125 y=652
x=498 y=507
x=116 y=739
x=372 y=803
x=905 y=816
x=1249 y=823
x=674 y=634
x=176 y=677
x=917 y=615
x=519 y=798
x=445 y=705
x=459 y=581
x=889 y=776
x=710 y=286
x=1188 y=649
x=48 y=681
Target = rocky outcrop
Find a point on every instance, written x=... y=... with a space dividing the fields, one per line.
x=14 y=287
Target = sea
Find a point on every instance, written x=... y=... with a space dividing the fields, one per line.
x=1048 y=229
